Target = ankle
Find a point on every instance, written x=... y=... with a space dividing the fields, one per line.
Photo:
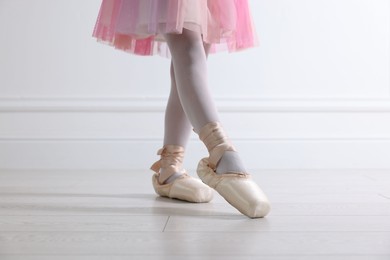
x=169 y=167
x=230 y=162
x=216 y=141
x=164 y=179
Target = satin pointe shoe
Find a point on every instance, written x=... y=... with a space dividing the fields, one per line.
x=237 y=188
x=183 y=187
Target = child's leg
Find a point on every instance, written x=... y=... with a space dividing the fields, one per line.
x=177 y=126
x=189 y=62
x=170 y=179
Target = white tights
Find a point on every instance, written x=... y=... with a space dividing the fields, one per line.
x=189 y=56
x=190 y=103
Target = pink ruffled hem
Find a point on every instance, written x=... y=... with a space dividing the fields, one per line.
x=137 y=26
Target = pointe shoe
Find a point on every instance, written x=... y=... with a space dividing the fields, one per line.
x=237 y=188
x=183 y=187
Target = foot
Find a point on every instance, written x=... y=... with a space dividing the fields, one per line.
x=239 y=190
x=172 y=181
x=224 y=172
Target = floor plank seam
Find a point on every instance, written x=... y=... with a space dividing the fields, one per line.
x=209 y=255
x=384 y=196
x=166 y=223
x=194 y=232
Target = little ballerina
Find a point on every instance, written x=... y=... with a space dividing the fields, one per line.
x=187 y=31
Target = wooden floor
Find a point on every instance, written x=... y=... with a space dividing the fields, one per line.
x=333 y=214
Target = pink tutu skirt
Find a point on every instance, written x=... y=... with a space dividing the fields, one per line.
x=137 y=26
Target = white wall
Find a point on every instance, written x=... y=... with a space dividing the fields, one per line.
x=314 y=95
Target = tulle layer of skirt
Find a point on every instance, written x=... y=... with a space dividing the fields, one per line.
x=137 y=26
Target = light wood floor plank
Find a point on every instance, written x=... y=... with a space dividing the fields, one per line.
x=173 y=257
x=211 y=209
x=196 y=243
x=83 y=223
x=280 y=224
